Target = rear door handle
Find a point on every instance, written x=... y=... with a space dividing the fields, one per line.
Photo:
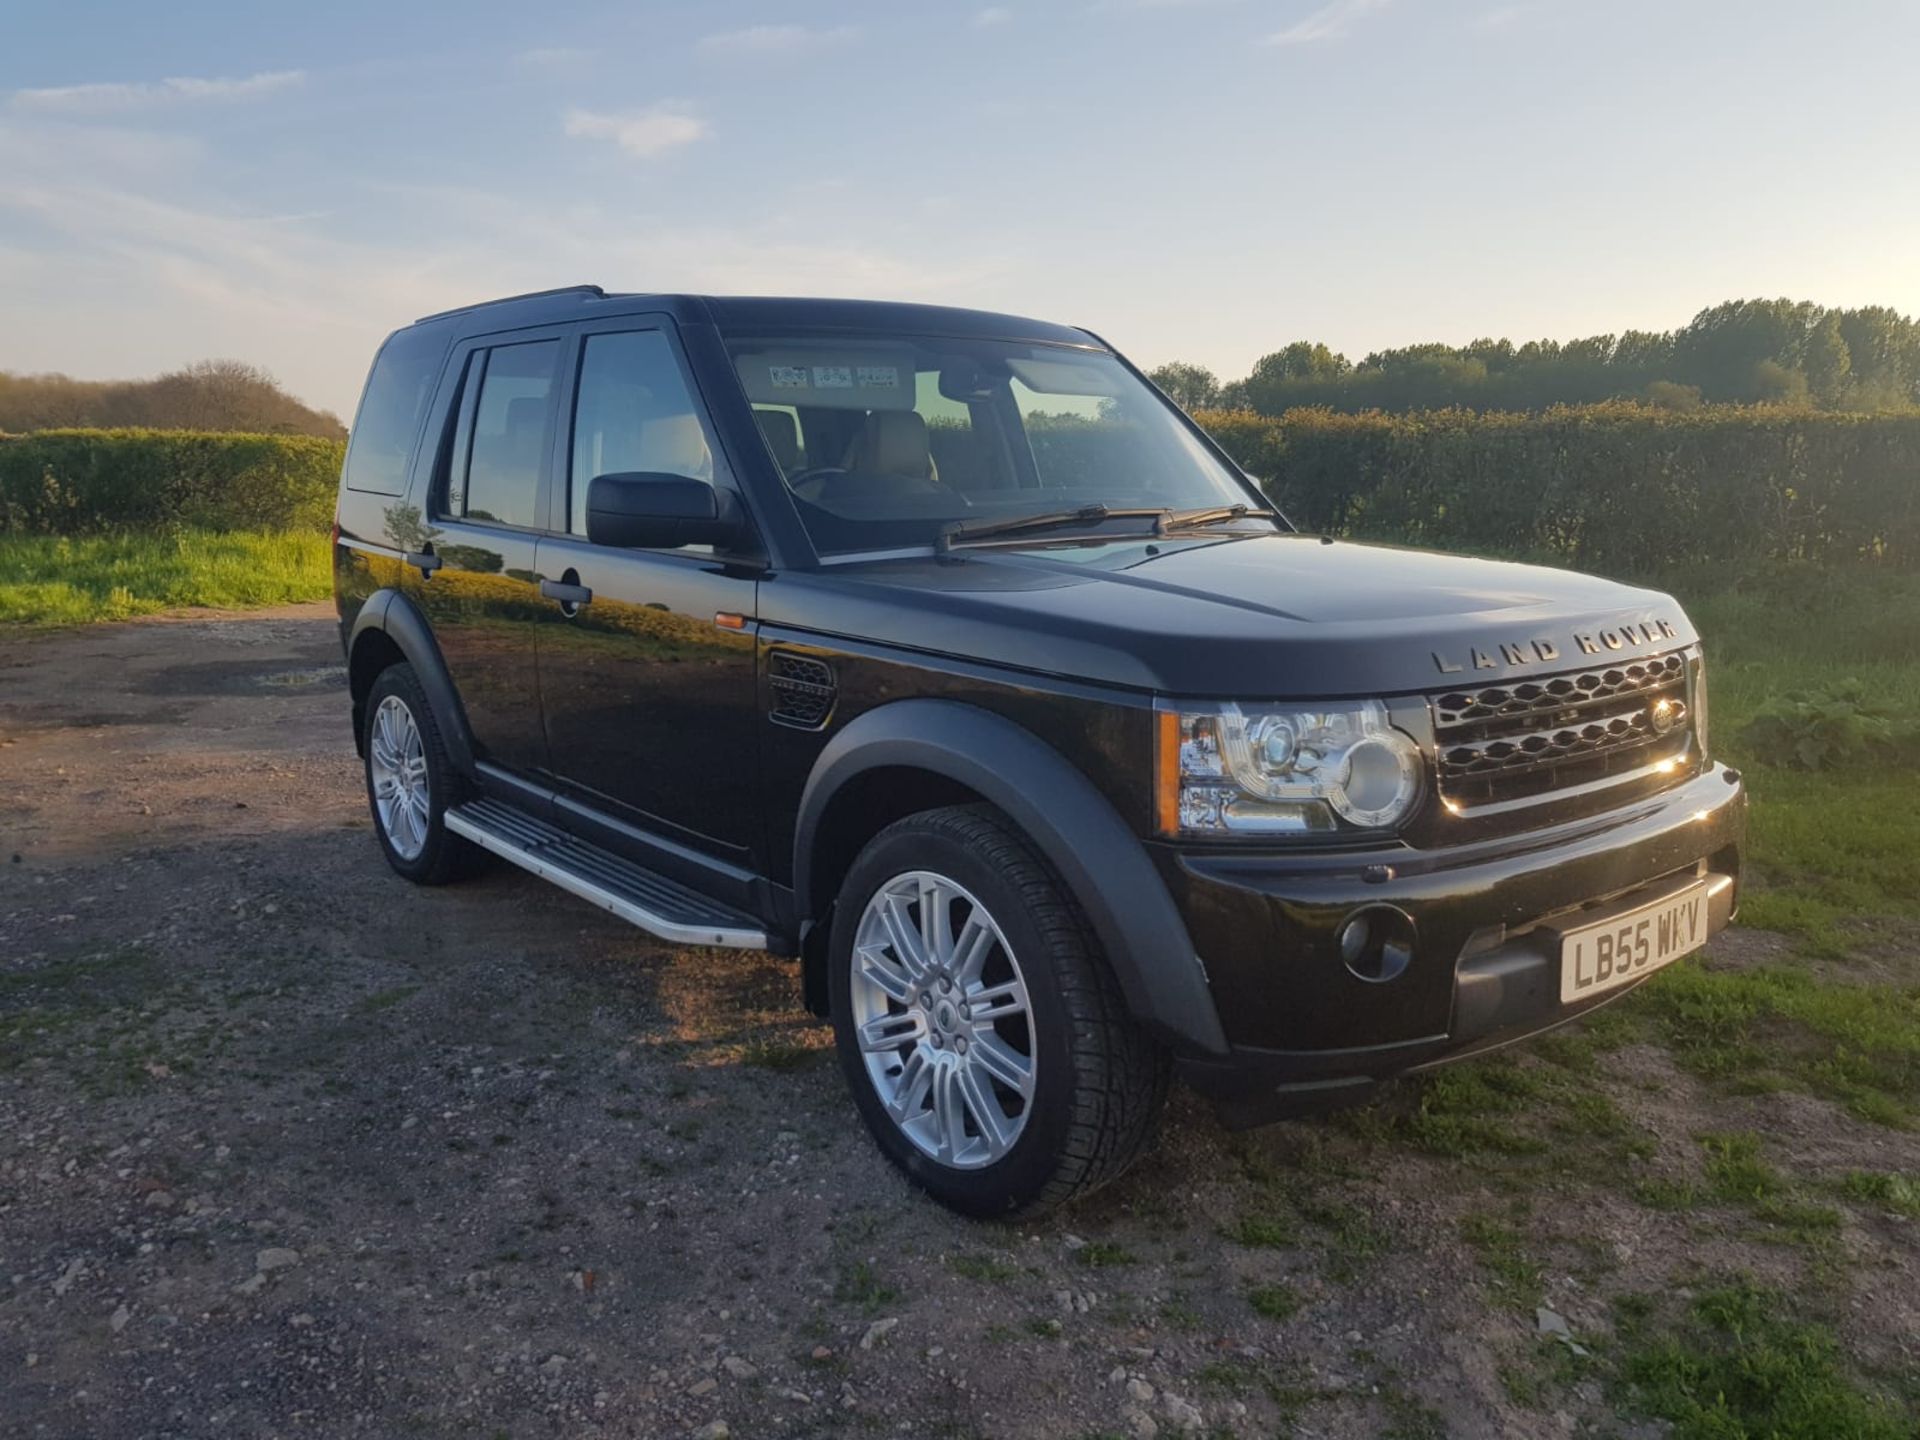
x=424 y=560
x=566 y=594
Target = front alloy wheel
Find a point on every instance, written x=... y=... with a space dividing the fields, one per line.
x=944 y=1022
x=985 y=1040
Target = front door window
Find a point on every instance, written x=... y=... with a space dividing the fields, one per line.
x=634 y=414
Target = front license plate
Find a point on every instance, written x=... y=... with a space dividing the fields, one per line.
x=1601 y=957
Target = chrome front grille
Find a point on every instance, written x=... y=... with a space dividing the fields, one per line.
x=1528 y=740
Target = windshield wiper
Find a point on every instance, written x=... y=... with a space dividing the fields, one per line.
x=1165 y=521
x=968 y=530
x=1171 y=520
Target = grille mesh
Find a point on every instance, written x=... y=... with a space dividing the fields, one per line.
x=1536 y=736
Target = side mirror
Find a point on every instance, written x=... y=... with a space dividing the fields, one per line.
x=644 y=510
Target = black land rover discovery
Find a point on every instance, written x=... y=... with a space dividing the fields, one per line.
x=939 y=650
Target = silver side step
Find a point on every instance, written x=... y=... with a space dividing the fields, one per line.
x=656 y=904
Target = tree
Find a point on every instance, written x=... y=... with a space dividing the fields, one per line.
x=1302 y=360
x=1722 y=349
x=209 y=395
x=1669 y=395
x=1191 y=387
x=1827 y=362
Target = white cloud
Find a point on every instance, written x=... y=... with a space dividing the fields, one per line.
x=992 y=15
x=95 y=99
x=777 y=39
x=646 y=133
x=1329 y=22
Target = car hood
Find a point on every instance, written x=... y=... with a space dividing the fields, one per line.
x=1268 y=616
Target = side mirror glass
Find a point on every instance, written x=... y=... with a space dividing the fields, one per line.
x=636 y=510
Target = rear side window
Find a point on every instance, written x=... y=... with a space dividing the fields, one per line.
x=634 y=413
x=391 y=410
x=510 y=433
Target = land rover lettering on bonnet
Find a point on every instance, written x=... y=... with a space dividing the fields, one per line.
x=1544 y=651
x=940 y=652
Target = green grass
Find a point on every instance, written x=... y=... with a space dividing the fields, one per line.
x=1274 y=1302
x=1264 y=1230
x=73 y=580
x=1735 y=1169
x=1741 y=1365
x=1895 y=1194
x=988 y=1268
x=1858 y=1044
x=859 y=1284
x=1832 y=853
x=1502 y=1252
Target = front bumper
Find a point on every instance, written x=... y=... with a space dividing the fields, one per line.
x=1307 y=1033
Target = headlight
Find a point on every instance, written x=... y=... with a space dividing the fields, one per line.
x=1264 y=770
x=1700 y=705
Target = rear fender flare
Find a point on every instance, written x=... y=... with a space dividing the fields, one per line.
x=1103 y=862
x=400 y=620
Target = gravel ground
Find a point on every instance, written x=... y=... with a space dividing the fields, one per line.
x=289 y=1147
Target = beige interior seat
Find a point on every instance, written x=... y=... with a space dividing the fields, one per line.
x=892 y=442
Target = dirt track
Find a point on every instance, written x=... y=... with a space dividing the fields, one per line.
x=288 y=1147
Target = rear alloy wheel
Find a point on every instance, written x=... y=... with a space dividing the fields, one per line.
x=397 y=778
x=410 y=781
x=987 y=1045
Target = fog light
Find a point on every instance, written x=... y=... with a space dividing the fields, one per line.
x=1376 y=943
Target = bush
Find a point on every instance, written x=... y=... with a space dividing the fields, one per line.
x=1832 y=727
x=1618 y=487
x=76 y=482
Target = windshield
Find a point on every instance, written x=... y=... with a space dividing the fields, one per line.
x=886 y=441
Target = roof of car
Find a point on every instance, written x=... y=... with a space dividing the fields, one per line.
x=749 y=312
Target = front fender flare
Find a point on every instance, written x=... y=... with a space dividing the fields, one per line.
x=393 y=614
x=1068 y=820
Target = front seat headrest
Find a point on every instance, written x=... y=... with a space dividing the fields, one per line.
x=893 y=442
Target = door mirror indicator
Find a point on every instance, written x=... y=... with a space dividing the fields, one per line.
x=638 y=509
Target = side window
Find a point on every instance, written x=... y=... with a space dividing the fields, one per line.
x=390 y=411
x=634 y=414
x=510 y=433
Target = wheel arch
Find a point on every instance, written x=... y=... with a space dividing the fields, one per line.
x=914 y=755
x=389 y=629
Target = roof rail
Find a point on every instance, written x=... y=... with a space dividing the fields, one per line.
x=592 y=291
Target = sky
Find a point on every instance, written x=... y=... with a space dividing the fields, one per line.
x=1193 y=179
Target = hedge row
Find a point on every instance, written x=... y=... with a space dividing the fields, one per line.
x=1616 y=487
x=72 y=482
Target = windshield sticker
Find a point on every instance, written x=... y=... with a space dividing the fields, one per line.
x=788 y=377
x=833 y=377
x=878 y=377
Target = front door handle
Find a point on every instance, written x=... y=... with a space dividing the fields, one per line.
x=424 y=560
x=566 y=594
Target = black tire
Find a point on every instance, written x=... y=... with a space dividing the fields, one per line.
x=443 y=856
x=1099 y=1081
